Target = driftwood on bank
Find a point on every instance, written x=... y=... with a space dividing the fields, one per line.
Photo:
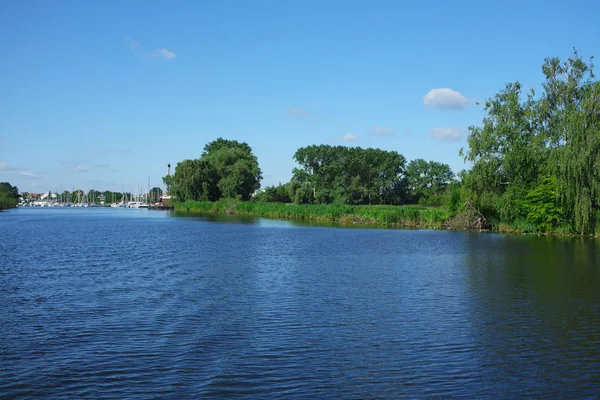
x=469 y=218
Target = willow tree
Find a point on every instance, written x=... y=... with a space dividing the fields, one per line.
x=570 y=111
x=526 y=144
x=235 y=167
x=226 y=168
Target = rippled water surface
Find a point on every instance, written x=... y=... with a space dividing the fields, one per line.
x=116 y=303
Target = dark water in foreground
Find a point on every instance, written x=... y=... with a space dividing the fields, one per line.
x=115 y=303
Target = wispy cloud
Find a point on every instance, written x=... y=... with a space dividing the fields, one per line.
x=348 y=137
x=447 y=134
x=380 y=131
x=80 y=168
x=445 y=99
x=4 y=166
x=163 y=53
x=28 y=175
x=297 y=112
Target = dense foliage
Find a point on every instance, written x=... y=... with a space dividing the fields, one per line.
x=9 y=196
x=226 y=168
x=348 y=175
x=537 y=158
x=427 y=181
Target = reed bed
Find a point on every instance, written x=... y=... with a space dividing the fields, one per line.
x=399 y=216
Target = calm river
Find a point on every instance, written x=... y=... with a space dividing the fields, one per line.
x=116 y=303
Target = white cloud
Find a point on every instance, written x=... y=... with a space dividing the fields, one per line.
x=163 y=53
x=380 y=131
x=348 y=137
x=80 y=168
x=447 y=134
x=28 y=175
x=446 y=99
x=297 y=111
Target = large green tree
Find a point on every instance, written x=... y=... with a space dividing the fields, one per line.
x=226 y=168
x=350 y=175
x=427 y=179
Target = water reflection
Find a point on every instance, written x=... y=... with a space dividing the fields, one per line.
x=536 y=305
x=216 y=218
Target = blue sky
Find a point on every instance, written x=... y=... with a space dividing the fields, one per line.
x=104 y=94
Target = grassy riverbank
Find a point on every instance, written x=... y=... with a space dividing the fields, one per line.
x=398 y=216
x=407 y=216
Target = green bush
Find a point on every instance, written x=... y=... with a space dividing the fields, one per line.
x=541 y=205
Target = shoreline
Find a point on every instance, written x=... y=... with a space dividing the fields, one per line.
x=376 y=216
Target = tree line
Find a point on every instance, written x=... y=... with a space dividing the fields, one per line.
x=535 y=163
x=326 y=175
x=357 y=176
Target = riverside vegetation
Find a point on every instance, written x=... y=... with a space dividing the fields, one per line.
x=9 y=196
x=410 y=216
x=535 y=168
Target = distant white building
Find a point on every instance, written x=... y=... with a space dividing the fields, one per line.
x=48 y=196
